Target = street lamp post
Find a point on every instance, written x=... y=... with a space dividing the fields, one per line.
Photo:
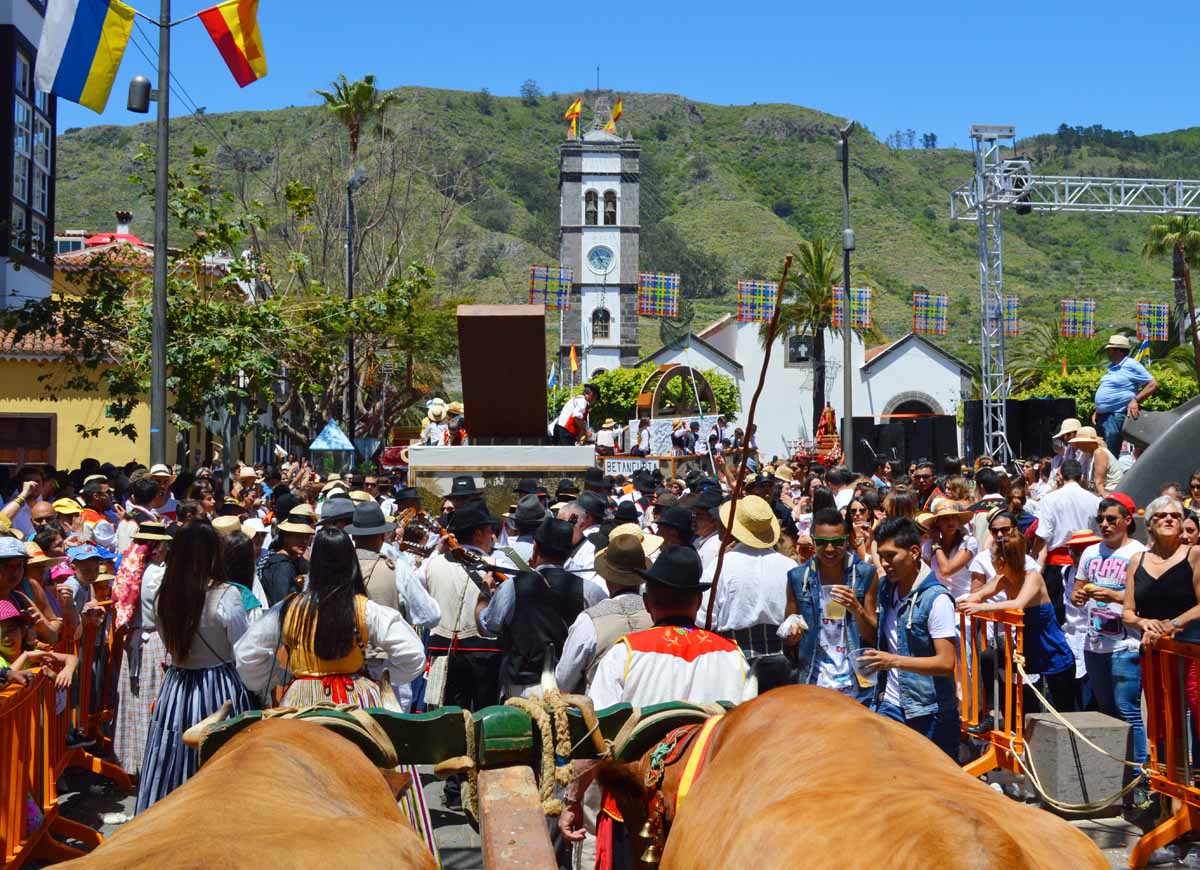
x=357 y=180
x=847 y=311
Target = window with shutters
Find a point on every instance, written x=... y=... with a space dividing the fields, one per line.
x=27 y=439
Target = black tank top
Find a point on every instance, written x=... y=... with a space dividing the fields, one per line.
x=1166 y=596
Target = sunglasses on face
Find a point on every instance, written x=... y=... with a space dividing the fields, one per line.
x=1103 y=519
x=858 y=510
x=1001 y=531
x=1168 y=516
x=922 y=477
x=829 y=542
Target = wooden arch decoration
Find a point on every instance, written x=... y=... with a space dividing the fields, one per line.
x=669 y=392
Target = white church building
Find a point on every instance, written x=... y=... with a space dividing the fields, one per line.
x=911 y=375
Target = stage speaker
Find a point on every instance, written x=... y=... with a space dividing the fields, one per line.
x=502 y=349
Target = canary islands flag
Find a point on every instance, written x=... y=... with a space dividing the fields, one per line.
x=573 y=112
x=81 y=48
x=617 y=112
x=233 y=26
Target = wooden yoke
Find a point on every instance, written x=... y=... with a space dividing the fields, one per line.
x=727 y=537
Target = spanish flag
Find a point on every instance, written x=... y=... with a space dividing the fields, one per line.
x=80 y=50
x=617 y=112
x=233 y=26
x=574 y=360
x=573 y=112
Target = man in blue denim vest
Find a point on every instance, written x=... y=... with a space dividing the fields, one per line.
x=917 y=640
x=833 y=598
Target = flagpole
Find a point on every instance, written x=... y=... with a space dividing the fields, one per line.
x=158 y=347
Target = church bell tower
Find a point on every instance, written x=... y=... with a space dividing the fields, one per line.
x=598 y=238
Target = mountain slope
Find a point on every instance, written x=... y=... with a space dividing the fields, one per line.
x=470 y=182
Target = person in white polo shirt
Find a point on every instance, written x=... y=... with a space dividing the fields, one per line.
x=1061 y=513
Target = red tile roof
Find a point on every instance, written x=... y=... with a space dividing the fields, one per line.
x=872 y=352
x=33 y=346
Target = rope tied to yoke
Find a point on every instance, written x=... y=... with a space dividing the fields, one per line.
x=555 y=739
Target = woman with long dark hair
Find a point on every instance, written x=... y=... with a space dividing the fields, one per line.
x=199 y=617
x=324 y=633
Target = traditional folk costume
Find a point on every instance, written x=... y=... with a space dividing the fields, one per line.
x=192 y=689
x=310 y=679
x=571 y=423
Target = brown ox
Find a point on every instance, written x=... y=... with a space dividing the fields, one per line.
x=804 y=777
x=282 y=794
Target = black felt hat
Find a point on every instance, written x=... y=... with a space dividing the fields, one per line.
x=679 y=568
x=556 y=536
x=592 y=504
x=464 y=485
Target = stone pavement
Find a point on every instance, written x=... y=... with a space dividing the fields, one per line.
x=96 y=802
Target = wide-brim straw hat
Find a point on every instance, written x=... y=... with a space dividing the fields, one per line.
x=784 y=472
x=609 y=423
x=227 y=525
x=151 y=531
x=754 y=524
x=1083 y=538
x=436 y=411
x=1086 y=435
x=1069 y=426
x=944 y=507
x=1121 y=342
x=455 y=408
x=37 y=556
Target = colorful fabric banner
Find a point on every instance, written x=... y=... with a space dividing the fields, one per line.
x=756 y=300
x=551 y=286
x=1012 y=316
x=1077 y=318
x=929 y=313
x=1152 y=321
x=81 y=48
x=860 y=307
x=658 y=294
x=233 y=26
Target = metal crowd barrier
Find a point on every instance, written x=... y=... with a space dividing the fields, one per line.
x=1006 y=735
x=28 y=790
x=1167 y=668
x=100 y=650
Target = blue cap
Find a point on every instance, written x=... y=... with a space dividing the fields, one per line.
x=79 y=554
x=105 y=555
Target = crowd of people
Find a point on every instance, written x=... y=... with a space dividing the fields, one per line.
x=295 y=589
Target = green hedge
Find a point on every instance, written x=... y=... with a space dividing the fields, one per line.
x=619 y=391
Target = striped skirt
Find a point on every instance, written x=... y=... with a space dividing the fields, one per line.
x=184 y=698
x=135 y=700
x=361 y=690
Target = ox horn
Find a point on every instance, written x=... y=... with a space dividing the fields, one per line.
x=195 y=735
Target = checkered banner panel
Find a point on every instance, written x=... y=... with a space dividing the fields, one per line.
x=658 y=294
x=860 y=307
x=551 y=286
x=1012 y=316
x=1152 y=321
x=756 y=300
x=929 y=313
x=1077 y=318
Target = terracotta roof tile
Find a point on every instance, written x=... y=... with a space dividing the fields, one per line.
x=33 y=346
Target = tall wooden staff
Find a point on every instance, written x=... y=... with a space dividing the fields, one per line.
x=741 y=475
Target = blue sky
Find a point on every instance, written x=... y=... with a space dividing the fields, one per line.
x=938 y=69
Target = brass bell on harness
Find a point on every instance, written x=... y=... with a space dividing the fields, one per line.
x=652 y=855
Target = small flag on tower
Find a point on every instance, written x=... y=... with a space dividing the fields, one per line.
x=233 y=26
x=573 y=112
x=81 y=48
x=617 y=112
x=574 y=360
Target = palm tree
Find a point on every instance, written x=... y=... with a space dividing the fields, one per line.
x=357 y=105
x=1179 y=235
x=808 y=307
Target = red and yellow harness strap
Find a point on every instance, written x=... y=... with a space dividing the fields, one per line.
x=696 y=758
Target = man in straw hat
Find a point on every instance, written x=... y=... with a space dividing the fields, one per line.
x=1062 y=448
x=751 y=593
x=1122 y=389
x=672 y=661
x=1104 y=470
x=532 y=612
x=282 y=567
x=606 y=438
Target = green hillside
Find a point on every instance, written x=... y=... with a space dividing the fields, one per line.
x=469 y=182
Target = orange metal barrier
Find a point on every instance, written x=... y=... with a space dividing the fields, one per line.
x=97 y=705
x=1165 y=667
x=1007 y=741
x=27 y=779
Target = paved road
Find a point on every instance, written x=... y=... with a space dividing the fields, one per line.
x=89 y=799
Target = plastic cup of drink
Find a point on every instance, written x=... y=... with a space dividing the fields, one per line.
x=835 y=610
x=869 y=679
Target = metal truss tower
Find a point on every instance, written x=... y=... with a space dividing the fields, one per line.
x=1001 y=183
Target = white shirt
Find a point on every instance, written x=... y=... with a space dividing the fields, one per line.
x=708 y=547
x=606 y=438
x=643 y=440
x=642 y=678
x=833 y=660
x=583 y=560
x=843 y=497
x=959 y=583
x=577 y=407
x=752 y=590
x=942 y=623
x=1065 y=511
x=422 y=608
x=435 y=434
x=386 y=629
x=1104 y=566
